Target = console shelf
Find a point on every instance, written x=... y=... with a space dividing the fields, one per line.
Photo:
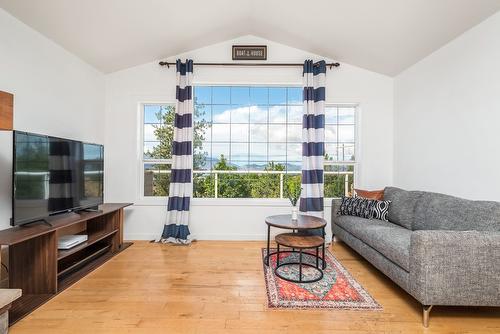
x=62 y=253
x=36 y=266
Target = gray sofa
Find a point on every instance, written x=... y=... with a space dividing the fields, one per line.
x=441 y=249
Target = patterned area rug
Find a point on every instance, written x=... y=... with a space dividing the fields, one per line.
x=337 y=289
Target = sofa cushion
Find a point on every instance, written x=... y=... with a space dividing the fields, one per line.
x=391 y=240
x=403 y=205
x=443 y=212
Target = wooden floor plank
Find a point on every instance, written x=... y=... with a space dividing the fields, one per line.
x=218 y=287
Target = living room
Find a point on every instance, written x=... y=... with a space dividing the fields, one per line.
x=359 y=138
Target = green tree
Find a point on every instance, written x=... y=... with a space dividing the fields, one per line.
x=231 y=185
x=267 y=185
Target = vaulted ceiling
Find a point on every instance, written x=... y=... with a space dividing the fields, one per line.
x=384 y=36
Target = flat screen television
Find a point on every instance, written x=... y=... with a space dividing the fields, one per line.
x=54 y=175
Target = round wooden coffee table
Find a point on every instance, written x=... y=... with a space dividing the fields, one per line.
x=303 y=223
x=301 y=242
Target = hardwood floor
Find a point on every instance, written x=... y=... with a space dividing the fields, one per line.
x=218 y=287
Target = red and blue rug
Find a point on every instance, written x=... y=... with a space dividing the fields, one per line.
x=337 y=289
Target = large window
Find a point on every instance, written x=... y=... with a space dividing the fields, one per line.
x=247 y=143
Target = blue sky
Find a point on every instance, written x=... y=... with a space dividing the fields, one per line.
x=254 y=125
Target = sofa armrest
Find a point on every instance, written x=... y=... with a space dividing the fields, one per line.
x=455 y=267
x=335 y=208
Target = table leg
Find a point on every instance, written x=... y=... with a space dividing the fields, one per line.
x=278 y=255
x=317 y=257
x=324 y=235
x=300 y=265
x=323 y=257
x=268 y=241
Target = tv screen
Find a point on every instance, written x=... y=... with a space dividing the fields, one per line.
x=54 y=175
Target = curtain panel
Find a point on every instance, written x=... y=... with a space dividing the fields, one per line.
x=313 y=138
x=176 y=229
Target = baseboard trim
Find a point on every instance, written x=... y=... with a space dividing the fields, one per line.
x=209 y=236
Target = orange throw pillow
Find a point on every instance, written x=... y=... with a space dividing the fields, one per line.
x=373 y=194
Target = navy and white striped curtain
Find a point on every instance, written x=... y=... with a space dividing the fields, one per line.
x=176 y=229
x=313 y=138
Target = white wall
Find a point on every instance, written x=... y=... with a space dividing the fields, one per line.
x=237 y=219
x=447 y=117
x=55 y=93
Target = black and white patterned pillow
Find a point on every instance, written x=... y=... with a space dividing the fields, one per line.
x=356 y=206
x=380 y=210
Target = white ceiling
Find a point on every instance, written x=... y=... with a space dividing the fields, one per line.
x=385 y=36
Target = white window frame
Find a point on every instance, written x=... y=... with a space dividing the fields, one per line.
x=142 y=198
x=357 y=145
x=281 y=202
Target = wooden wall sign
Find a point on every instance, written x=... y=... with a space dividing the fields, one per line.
x=6 y=110
x=249 y=52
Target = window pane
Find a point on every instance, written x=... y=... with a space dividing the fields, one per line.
x=201 y=157
x=331 y=152
x=152 y=114
x=330 y=133
x=258 y=151
x=203 y=94
x=149 y=148
x=240 y=95
x=295 y=95
x=203 y=185
x=259 y=96
x=203 y=113
x=220 y=132
x=277 y=133
x=339 y=180
x=277 y=114
x=258 y=114
x=257 y=165
x=258 y=133
x=221 y=114
x=346 y=115
x=240 y=114
x=277 y=152
x=294 y=152
x=239 y=152
x=233 y=186
x=149 y=132
x=346 y=133
x=346 y=152
x=239 y=133
x=264 y=185
x=294 y=133
x=294 y=166
x=221 y=95
x=218 y=150
x=295 y=114
x=277 y=95
x=331 y=115
x=156 y=179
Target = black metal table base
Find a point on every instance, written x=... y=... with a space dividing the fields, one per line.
x=300 y=280
x=266 y=258
x=301 y=264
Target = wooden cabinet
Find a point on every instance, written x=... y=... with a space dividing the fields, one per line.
x=41 y=270
x=6 y=110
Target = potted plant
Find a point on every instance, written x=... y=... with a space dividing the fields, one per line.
x=292 y=191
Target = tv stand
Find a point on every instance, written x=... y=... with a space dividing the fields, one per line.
x=36 y=266
x=92 y=209
x=42 y=220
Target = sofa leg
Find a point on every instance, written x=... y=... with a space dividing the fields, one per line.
x=427 y=311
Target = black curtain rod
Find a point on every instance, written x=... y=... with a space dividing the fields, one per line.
x=165 y=63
